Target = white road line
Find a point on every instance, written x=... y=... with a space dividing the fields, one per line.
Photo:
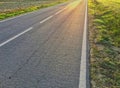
x=83 y=64
x=46 y=19
x=16 y=36
x=58 y=12
x=9 y=40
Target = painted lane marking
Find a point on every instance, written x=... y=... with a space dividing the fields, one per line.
x=46 y=19
x=16 y=36
x=58 y=12
x=83 y=80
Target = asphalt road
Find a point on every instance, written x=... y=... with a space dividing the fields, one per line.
x=42 y=49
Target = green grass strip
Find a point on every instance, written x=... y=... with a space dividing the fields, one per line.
x=104 y=28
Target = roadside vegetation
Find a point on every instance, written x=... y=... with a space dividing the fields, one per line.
x=10 y=8
x=104 y=30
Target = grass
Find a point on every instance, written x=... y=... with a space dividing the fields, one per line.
x=104 y=29
x=17 y=7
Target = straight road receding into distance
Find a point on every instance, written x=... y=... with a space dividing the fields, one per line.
x=45 y=48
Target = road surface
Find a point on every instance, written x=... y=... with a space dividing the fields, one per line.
x=42 y=49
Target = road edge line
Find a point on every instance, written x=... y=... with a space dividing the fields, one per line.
x=84 y=69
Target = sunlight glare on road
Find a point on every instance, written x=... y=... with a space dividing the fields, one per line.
x=74 y=4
